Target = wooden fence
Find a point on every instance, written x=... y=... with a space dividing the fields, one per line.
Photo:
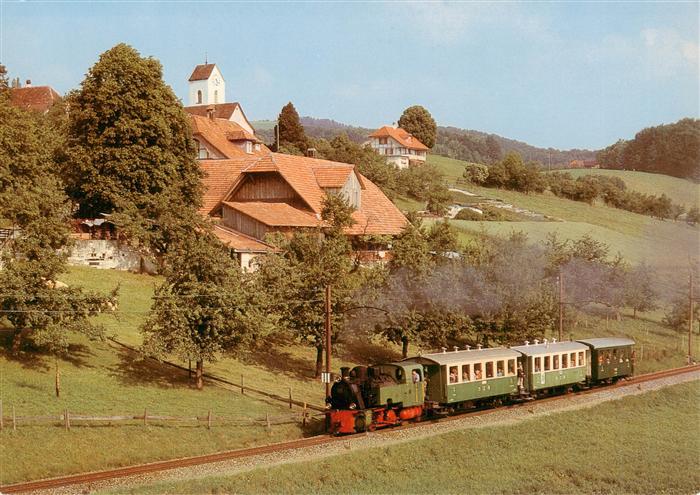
x=68 y=419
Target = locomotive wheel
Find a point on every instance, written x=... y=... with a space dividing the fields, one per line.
x=360 y=423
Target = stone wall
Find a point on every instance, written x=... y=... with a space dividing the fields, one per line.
x=104 y=254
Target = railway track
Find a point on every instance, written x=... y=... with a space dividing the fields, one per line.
x=140 y=469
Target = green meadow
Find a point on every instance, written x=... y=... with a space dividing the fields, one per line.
x=643 y=444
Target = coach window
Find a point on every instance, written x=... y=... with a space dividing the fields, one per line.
x=547 y=363
x=581 y=360
x=572 y=359
x=538 y=364
x=453 y=374
x=489 y=369
x=564 y=361
x=511 y=367
x=556 y=362
x=478 y=371
x=466 y=375
x=500 y=368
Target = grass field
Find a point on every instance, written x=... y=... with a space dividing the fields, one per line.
x=642 y=444
x=682 y=191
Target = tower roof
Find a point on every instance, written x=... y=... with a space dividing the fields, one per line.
x=202 y=72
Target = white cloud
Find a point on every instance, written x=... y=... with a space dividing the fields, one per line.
x=659 y=53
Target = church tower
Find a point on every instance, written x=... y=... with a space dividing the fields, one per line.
x=207 y=86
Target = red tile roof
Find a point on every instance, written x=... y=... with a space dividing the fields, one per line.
x=240 y=242
x=276 y=214
x=202 y=72
x=37 y=98
x=219 y=178
x=221 y=110
x=221 y=134
x=403 y=137
x=377 y=214
x=333 y=177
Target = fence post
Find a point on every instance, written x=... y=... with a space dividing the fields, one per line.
x=145 y=417
x=290 y=397
x=209 y=420
x=242 y=389
x=303 y=416
x=2 y=423
x=66 y=419
x=14 y=419
x=267 y=420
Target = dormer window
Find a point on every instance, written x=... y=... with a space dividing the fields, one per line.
x=199 y=97
x=202 y=152
x=248 y=147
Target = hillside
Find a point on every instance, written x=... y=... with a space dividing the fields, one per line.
x=468 y=145
x=684 y=192
x=665 y=244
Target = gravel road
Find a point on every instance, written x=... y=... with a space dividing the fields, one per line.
x=526 y=412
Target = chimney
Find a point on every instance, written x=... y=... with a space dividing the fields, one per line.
x=28 y=83
x=211 y=109
x=311 y=152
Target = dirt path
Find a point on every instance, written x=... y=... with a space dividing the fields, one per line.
x=387 y=438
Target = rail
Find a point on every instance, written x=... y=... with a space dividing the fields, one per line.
x=96 y=476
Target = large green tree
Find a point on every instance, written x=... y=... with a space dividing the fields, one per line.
x=418 y=121
x=129 y=149
x=204 y=308
x=290 y=131
x=33 y=205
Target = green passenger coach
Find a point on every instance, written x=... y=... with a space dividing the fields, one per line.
x=463 y=376
x=550 y=365
x=611 y=358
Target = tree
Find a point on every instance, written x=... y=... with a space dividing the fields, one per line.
x=418 y=121
x=291 y=132
x=493 y=149
x=129 y=149
x=476 y=173
x=640 y=292
x=693 y=216
x=296 y=275
x=442 y=238
x=203 y=309
x=32 y=200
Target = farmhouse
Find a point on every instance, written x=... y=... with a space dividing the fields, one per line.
x=34 y=98
x=252 y=192
x=398 y=146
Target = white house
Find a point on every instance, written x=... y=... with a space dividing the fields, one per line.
x=398 y=146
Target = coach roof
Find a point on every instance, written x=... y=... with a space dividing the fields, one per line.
x=606 y=342
x=549 y=348
x=463 y=356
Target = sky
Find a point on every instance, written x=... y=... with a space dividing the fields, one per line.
x=560 y=74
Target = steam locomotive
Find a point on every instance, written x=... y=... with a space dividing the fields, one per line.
x=369 y=397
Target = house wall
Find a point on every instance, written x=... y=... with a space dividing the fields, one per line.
x=236 y=220
x=396 y=153
x=352 y=191
x=238 y=117
x=104 y=254
x=208 y=89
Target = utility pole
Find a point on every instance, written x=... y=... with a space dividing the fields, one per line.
x=328 y=337
x=690 y=320
x=561 y=306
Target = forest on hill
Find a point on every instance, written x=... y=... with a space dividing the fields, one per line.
x=462 y=144
x=672 y=149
